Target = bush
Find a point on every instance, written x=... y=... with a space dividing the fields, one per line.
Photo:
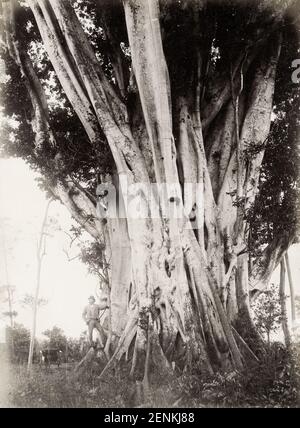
x=274 y=382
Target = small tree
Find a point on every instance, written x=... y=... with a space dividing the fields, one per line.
x=57 y=338
x=74 y=352
x=41 y=252
x=7 y=290
x=267 y=312
x=19 y=341
x=28 y=301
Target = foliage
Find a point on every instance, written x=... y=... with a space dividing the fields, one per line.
x=59 y=388
x=267 y=312
x=92 y=254
x=10 y=314
x=18 y=343
x=45 y=389
x=273 y=382
x=83 y=162
x=28 y=301
x=275 y=212
x=56 y=338
x=74 y=350
x=20 y=335
x=7 y=298
x=232 y=29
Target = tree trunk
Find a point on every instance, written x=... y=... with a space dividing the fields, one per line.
x=40 y=255
x=7 y=286
x=282 y=296
x=292 y=291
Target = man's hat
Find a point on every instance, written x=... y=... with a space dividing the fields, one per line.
x=92 y=298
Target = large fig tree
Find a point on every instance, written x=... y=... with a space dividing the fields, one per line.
x=155 y=123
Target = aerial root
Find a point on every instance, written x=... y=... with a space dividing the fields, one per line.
x=147 y=361
x=243 y=346
x=86 y=360
x=124 y=342
x=134 y=360
x=171 y=346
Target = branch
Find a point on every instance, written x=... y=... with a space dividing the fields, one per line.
x=65 y=68
x=40 y=118
x=255 y=129
x=87 y=193
x=151 y=74
x=239 y=150
x=109 y=12
x=221 y=89
x=70 y=259
x=110 y=111
x=257 y=122
x=221 y=92
x=80 y=206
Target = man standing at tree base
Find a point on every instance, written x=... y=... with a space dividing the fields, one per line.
x=91 y=315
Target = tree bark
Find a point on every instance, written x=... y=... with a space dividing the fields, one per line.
x=41 y=252
x=292 y=291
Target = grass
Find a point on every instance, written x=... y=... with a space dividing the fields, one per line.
x=59 y=388
x=54 y=388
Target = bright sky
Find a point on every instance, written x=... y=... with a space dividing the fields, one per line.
x=65 y=284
